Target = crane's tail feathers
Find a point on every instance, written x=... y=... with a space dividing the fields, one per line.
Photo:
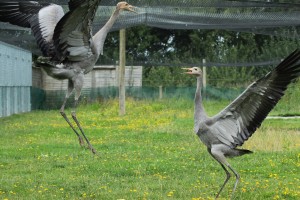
x=238 y=152
x=45 y=62
x=244 y=151
x=52 y=68
x=41 y=60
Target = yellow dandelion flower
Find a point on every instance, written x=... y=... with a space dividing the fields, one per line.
x=286 y=191
x=171 y=193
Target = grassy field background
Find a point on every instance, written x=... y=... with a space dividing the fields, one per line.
x=151 y=153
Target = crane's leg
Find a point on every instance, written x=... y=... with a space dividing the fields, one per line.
x=62 y=112
x=237 y=179
x=226 y=171
x=217 y=152
x=78 y=83
x=226 y=180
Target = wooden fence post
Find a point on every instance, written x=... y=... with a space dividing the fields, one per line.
x=160 y=92
x=122 y=63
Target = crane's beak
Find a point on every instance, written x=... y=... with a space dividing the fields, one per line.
x=188 y=70
x=131 y=9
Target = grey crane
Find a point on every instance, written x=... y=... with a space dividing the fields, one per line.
x=69 y=49
x=237 y=122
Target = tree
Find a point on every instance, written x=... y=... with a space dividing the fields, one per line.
x=154 y=48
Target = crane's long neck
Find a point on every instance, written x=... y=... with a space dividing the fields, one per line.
x=199 y=112
x=100 y=36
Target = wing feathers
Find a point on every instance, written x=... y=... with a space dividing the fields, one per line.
x=250 y=109
x=62 y=37
x=72 y=35
x=40 y=17
x=19 y=13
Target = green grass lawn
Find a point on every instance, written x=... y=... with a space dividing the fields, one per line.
x=151 y=153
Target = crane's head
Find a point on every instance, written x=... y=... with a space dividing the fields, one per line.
x=193 y=71
x=125 y=6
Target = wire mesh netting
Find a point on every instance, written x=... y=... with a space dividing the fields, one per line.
x=263 y=17
x=41 y=99
x=259 y=17
x=252 y=16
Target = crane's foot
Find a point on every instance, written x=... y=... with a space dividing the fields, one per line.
x=82 y=132
x=93 y=151
x=81 y=141
x=90 y=147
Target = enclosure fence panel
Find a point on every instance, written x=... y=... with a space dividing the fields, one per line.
x=15 y=80
x=100 y=83
x=259 y=17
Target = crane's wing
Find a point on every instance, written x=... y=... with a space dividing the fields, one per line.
x=238 y=121
x=73 y=33
x=40 y=17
